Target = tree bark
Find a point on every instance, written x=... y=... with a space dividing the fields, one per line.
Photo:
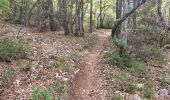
x=13 y=11
x=124 y=17
x=52 y=17
x=101 y=10
x=91 y=16
x=161 y=18
x=65 y=21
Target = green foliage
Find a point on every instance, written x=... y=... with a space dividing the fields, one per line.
x=126 y=60
x=116 y=96
x=4 y=4
x=153 y=53
x=157 y=53
x=41 y=94
x=9 y=73
x=108 y=22
x=115 y=59
x=58 y=62
x=10 y=50
x=27 y=67
x=118 y=43
x=132 y=88
x=148 y=91
x=59 y=87
x=4 y=83
x=136 y=66
x=88 y=45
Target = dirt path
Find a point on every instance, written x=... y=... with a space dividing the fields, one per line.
x=89 y=80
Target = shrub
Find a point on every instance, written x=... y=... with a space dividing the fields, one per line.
x=41 y=94
x=88 y=45
x=4 y=83
x=157 y=53
x=26 y=68
x=136 y=66
x=127 y=61
x=116 y=96
x=148 y=91
x=115 y=59
x=10 y=50
x=109 y=22
x=154 y=53
x=58 y=61
x=59 y=87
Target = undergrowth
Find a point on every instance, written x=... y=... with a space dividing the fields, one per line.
x=10 y=50
x=41 y=94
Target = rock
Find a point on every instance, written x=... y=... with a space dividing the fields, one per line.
x=140 y=86
x=65 y=79
x=17 y=82
x=163 y=92
x=134 y=97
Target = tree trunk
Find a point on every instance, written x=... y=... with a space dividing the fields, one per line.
x=13 y=11
x=65 y=21
x=101 y=10
x=91 y=16
x=124 y=17
x=118 y=15
x=52 y=17
x=162 y=20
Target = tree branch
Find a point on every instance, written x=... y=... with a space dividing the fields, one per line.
x=122 y=19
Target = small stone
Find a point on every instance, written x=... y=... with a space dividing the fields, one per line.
x=134 y=97
x=163 y=92
x=17 y=82
x=140 y=86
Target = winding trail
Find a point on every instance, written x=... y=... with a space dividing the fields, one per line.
x=89 y=81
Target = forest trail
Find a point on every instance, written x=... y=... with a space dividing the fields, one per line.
x=89 y=81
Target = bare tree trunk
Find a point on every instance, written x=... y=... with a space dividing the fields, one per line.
x=60 y=11
x=13 y=11
x=52 y=17
x=71 y=17
x=101 y=10
x=65 y=21
x=118 y=15
x=162 y=20
x=82 y=15
x=76 y=20
x=124 y=17
x=78 y=28
x=91 y=16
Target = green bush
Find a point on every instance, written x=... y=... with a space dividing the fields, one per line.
x=88 y=45
x=148 y=91
x=136 y=66
x=157 y=53
x=126 y=60
x=108 y=22
x=116 y=96
x=27 y=67
x=10 y=50
x=59 y=87
x=4 y=83
x=115 y=59
x=154 y=53
x=58 y=62
x=41 y=94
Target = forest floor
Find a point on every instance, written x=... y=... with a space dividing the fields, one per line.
x=75 y=68
x=89 y=80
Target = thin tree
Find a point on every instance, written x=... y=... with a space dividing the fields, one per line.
x=52 y=17
x=124 y=17
x=91 y=16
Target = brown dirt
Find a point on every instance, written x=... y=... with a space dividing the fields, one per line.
x=89 y=82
